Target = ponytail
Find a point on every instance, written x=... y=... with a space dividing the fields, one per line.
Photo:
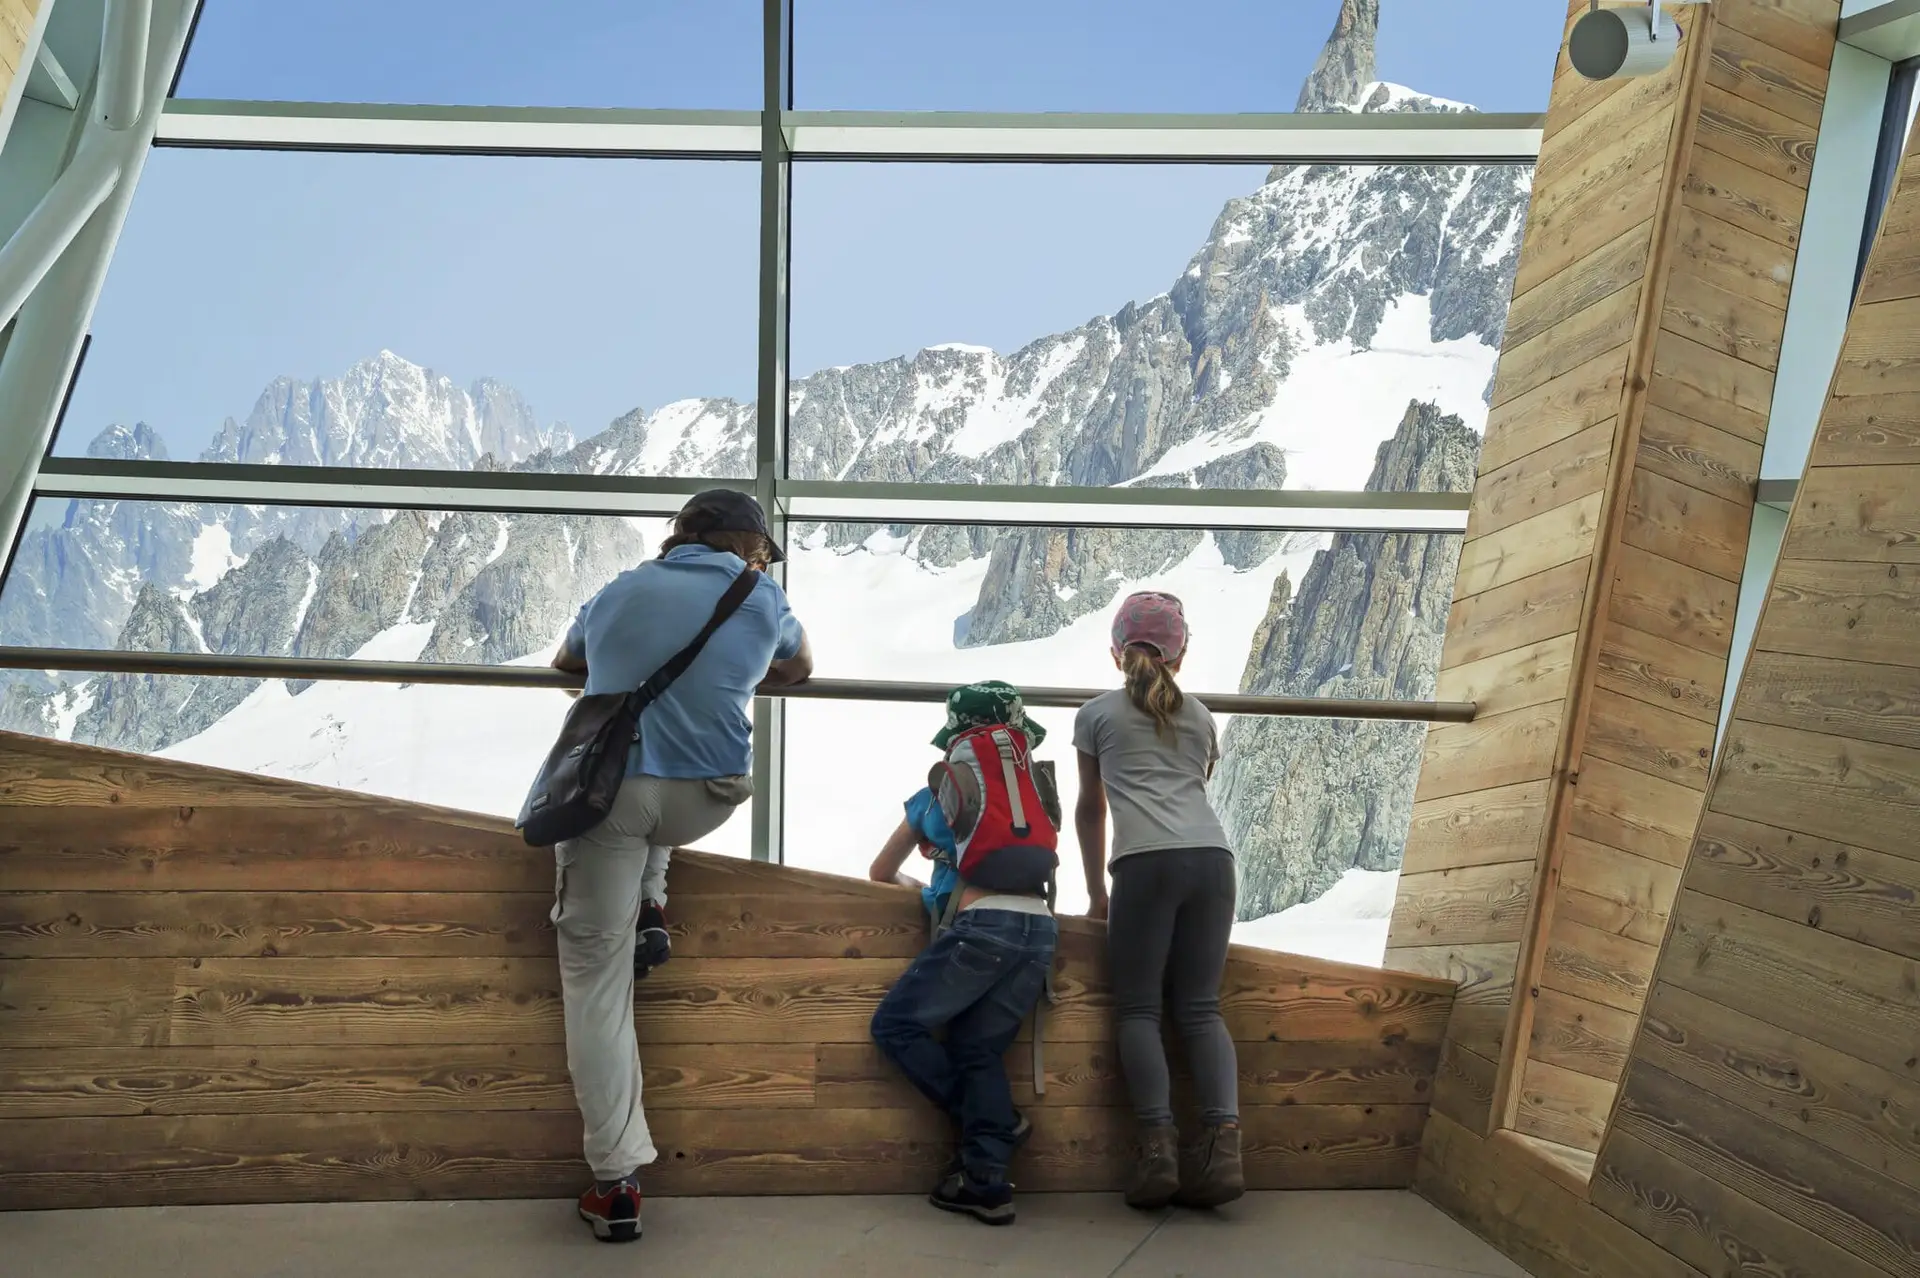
x=1151 y=688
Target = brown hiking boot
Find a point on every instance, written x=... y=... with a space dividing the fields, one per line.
x=1156 y=1177
x=1210 y=1170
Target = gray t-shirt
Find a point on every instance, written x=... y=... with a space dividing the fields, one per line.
x=1156 y=786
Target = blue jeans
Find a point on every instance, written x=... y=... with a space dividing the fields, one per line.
x=979 y=980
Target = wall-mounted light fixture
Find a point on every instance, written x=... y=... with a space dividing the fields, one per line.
x=1619 y=43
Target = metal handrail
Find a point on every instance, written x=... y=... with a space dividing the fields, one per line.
x=205 y=664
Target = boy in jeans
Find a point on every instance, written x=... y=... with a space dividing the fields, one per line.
x=987 y=968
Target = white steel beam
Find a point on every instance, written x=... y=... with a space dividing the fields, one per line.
x=51 y=326
x=1386 y=138
x=1116 y=511
x=1307 y=138
x=121 y=92
x=1255 y=509
x=325 y=126
x=30 y=253
x=368 y=490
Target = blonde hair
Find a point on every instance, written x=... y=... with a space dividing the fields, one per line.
x=1150 y=687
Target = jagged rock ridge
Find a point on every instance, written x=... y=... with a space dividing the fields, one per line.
x=1304 y=800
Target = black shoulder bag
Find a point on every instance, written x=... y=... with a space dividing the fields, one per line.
x=577 y=784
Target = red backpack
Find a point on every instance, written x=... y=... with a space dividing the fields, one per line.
x=1003 y=808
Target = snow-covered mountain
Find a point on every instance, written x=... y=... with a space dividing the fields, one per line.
x=1337 y=329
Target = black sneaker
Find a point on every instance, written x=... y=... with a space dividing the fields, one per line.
x=652 y=946
x=989 y=1204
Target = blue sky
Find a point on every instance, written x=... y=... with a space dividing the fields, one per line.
x=595 y=286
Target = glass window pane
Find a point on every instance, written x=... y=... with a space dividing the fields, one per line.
x=1192 y=326
x=584 y=53
x=1135 y=55
x=311 y=582
x=1318 y=809
x=427 y=311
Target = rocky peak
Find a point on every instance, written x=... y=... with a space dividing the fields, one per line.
x=1305 y=800
x=384 y=411
x=139 y=442
x=1346 y=64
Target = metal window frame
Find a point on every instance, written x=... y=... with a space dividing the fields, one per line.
x=776 y=137
x=1467 y=138
x=1901 y=85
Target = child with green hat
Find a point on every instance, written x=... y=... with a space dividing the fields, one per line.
x=989 y=819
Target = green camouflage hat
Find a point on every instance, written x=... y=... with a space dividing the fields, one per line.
x=975 y=705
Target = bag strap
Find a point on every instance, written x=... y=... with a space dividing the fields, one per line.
x=1003 y=746
x=660 y=680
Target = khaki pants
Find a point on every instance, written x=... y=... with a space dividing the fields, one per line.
x=600 y=880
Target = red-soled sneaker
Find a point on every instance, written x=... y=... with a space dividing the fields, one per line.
x=613 y=1209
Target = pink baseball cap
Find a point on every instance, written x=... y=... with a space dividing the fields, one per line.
x=1155 y=620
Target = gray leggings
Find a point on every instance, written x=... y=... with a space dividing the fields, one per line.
x=1167 y=932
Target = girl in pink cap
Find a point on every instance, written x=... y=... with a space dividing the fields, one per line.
x=1148 y=749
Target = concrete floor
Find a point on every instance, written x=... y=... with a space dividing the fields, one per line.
x=1345 y=1234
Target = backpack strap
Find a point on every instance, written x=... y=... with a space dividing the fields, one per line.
x=1047 y=997
x=1010 y=776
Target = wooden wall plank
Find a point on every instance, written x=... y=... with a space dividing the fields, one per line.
x=1832 y=1197
x=1500 y=750
x=1483 y=827
x=1867 y=896
x=1638 y=884
x=1468 y=905
x=1599 y=327
x=1823 y=988
x=1463 y=1086
x=1867 y=610
x=1635 y=812
x=1579 y=1034
x=1687 y=525
x=1741 y=129
x=1702 y=1222
x=1673 y=601
x=1484 y=974
x=1563 y=471
x=1816 y=783
x=1724 y=320
x=1743 y=196
x=1699 y=455
x=1660 y=672
x=53 y=1082
x=1512 y=680
x=1531 y=546
x=1872 y=430
x=1710 y=386
x=1563 y=1106
x=1852 y=1108
x=1649 y=738
x=1543 y=606
x=322 y=1157
x=1751 y=67
x=1602 y=966
x=1578 y=399
x=1868 y=701
x=1735 y=260
x=1862 y=514
x=1591 y=279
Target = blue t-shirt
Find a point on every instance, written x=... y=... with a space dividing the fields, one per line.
x=925 y=816
x=702 y=725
